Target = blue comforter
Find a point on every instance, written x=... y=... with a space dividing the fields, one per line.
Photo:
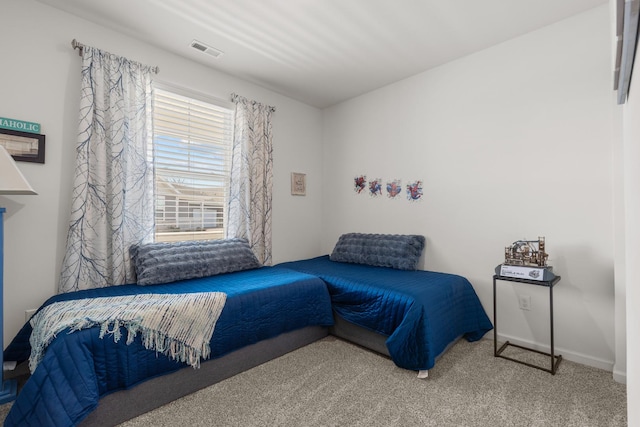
x=421 y=312
x=78 y=368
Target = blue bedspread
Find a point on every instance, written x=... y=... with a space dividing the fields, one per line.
x=421 y=312
x=78 y=368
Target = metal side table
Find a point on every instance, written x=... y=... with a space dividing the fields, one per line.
x=497 y=352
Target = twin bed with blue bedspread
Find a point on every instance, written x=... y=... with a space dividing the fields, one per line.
x=419 y=312
x=370 y=281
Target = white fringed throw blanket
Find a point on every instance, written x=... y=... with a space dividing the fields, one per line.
x=179 y=326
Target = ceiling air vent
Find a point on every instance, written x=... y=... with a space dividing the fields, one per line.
x=206 y=49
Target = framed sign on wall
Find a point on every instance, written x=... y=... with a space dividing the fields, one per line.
x=23 y=146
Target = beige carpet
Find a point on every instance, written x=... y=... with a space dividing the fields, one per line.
x=334 y=383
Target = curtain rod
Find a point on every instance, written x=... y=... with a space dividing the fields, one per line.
x=77 y=45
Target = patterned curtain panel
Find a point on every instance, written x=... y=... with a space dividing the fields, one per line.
x=112 y=200
x=249 y=214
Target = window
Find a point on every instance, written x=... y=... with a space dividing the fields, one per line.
x=192 y=141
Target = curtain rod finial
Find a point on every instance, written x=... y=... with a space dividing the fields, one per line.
x=77 y=45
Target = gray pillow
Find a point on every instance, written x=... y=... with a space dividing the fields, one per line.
x=157 y=263
x=382 y=250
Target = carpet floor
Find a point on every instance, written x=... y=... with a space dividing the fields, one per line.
x=334 y=383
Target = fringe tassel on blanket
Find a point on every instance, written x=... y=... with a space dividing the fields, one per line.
x=179 y=326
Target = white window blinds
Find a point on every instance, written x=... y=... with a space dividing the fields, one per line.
x=192 y=147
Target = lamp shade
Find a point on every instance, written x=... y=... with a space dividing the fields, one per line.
x=11 y=179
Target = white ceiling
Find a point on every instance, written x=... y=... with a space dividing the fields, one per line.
x=322 y=52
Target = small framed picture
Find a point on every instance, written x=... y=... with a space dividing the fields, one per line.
x=23 y=146
x=298 y=184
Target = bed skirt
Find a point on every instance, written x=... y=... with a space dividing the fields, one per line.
x=123 y=405
x=358 y=335
x=365 y=338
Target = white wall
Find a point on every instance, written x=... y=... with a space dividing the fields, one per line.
x=512 y=142
x=620 y=241
x=631 y=148
x=40 y=77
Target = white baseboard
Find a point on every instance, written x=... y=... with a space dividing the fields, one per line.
x=583 y=359
x=619 y=376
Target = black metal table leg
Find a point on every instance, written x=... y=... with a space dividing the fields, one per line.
x=497 y=352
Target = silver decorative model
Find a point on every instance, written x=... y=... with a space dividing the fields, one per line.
x=526 y=259
x=526 y=253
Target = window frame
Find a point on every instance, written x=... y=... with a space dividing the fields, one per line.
x=173 y=236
